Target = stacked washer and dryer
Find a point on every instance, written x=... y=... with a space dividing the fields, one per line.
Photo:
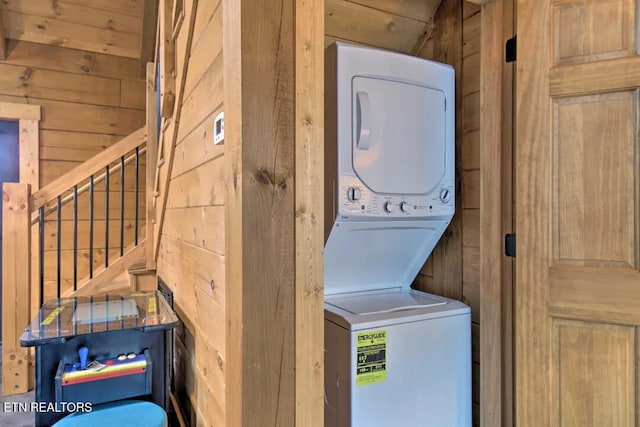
x=394 y=356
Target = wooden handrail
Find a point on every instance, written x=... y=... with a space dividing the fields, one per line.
x=88 y=168
x=84 y=188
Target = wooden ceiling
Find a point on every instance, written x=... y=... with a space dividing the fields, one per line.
x=106 y=26
x=400 y=25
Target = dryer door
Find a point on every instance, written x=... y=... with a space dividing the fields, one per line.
x=398 y=135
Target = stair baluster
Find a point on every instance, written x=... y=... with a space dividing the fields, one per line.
x=58 y=243
x=122 y=206
x=91 y=227
x=41 y=253
x=106 y=217
x=75 y=237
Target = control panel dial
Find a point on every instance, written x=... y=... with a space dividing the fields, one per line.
x=353 y=194
x=404 y=207
x=389 y=207
x=445 y=195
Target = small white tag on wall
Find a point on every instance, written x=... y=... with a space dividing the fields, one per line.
x=218 y=129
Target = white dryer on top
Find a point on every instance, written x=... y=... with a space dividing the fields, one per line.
x=390 y=167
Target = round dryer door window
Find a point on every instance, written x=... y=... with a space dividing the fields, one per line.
x=398 y=136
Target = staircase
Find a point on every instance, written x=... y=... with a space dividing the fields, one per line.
x=85 y=233
x=97 y=228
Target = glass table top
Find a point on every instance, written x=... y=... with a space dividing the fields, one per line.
x=60 y=319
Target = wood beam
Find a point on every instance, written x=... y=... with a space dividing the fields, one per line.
x=148 y=36
x=309 y=209
x=16 y=286
x=152 y=158
x=273 y=216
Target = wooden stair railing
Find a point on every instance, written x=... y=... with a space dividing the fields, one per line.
x=87 y=223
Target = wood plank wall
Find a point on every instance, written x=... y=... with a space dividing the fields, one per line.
x=471 y=186
x=403 y=26
x=192 y=245
x=103 y=26
x=468 y=205
x=89 y=101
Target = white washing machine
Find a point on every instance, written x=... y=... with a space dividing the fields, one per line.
x=393 y=356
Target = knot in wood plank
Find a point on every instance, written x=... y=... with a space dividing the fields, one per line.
x=220 y=362
x=28 y=72
x=264 y=177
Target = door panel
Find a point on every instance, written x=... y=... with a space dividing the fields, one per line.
x=591 y=30
x=594 y=170
x=599 y=387
x=577 y=168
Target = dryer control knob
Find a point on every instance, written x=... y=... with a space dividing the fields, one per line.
x=389 y=207
x=353 y=194
x=445 y=195
x=404 y=207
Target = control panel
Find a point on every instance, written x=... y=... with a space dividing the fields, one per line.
x=104 y=380
x=355 y=199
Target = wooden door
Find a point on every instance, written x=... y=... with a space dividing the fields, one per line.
x=577 y=213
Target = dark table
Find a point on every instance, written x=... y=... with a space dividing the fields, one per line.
x=110 y=325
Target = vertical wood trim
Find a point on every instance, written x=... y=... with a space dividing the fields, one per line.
x=234 y=273
x=491 y=214
x=3 y=41
x=508 y=71
x=533 y=335
x=309 y=209
x=151 y=159
x=29 y=143
x=16 y=289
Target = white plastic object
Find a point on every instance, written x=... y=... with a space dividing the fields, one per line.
x=218 y=129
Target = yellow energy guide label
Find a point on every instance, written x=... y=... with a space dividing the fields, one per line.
x=371 y=363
